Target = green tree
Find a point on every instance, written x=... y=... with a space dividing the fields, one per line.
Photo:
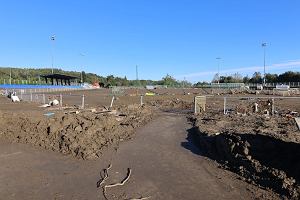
x=83 y=76
x=271 y=78
x=110 y=80
x=256 y=78
x=246 y=79
x=169 y=81
x=289 y=76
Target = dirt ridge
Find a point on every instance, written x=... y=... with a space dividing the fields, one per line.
x=83 y=135
x=269 y=160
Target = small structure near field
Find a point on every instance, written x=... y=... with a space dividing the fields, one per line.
x=60 y=79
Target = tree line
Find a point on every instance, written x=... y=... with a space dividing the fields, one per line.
x=257 y=77
x=34 y=75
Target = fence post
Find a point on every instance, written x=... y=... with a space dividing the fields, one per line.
x=44 y=99
x=112 y=101
x=142 y=100
x=30 y=96
x=60 y=100
x=82 y=103
x=273 y=106
x=225 y=99
x=195 y=106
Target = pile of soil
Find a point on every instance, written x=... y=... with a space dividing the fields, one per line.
x=248 y=107
x=175 y=103
x=264 y=150
x=83 y=135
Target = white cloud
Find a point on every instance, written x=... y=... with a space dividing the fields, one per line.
x=278 y=66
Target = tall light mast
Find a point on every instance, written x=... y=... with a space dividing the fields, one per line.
x=219 y=59
x=264 y=45
x=52 y=38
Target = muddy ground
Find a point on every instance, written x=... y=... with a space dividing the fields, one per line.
x=263 y=148
x=83 y=134
x=103 y=97
x=164 y=165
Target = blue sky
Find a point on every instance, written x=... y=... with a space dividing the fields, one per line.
x=180 y=38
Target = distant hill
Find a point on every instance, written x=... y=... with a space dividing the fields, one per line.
x=33 y=74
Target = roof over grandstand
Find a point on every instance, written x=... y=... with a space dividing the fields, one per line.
x=59 y=76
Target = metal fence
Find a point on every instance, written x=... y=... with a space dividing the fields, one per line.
x=12 y=81
x=251 y=104
x=46 y=95
x=273 y=85
x=251 y=85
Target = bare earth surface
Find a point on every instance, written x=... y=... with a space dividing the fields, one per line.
x=164 y=166
x=63 y=156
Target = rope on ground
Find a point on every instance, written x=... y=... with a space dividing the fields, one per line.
x=103 y=175
x=122 y=182
x=116 y=184
x=142 y=198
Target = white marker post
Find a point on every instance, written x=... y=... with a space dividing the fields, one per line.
x=44 y=99
x=273 y=106
x=82 y=102
x=225 y=100
x=142 y=100
x=61 y=100
x=112 y=101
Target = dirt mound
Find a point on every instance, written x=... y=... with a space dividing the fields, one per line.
x=84 y=135
x=264 y=151
x=171 y=104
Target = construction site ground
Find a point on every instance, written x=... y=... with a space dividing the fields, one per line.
x=158 y=142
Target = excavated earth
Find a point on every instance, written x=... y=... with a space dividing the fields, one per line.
x=82 y=134
x=172 y=104
x=264 y=149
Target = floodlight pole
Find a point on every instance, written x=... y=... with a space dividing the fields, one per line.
x=52 y=52
x=218 y=58
x=136 y=73
x=264 y=45
x=137 y=79
x=81 y=77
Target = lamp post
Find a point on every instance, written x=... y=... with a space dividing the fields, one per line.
x=264 y=45
x=218 y=58
x=81 y=76
x=52 y=51
x=137 y=79
x=136 y=73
